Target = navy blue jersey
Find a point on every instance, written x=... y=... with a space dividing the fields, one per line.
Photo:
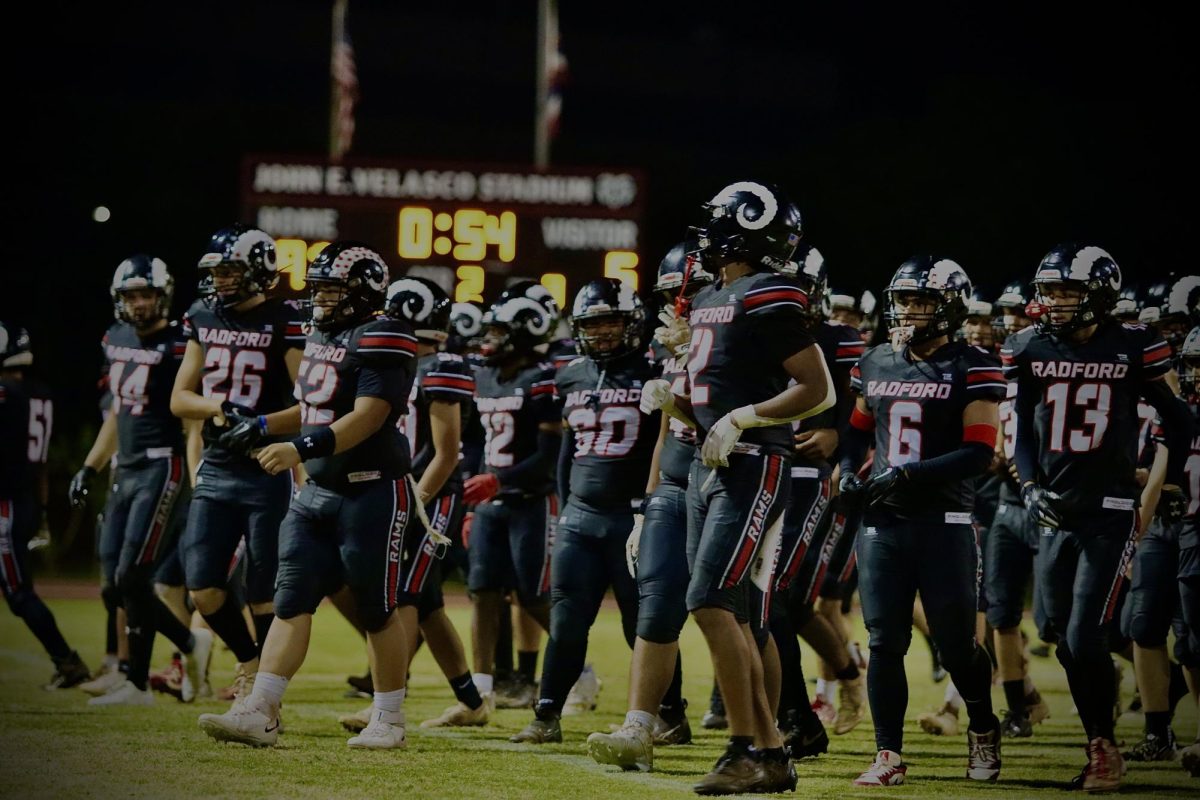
x=374 y=359
x=741 y=335
x=918 y=409
x=141 y=375
x=511 y=410
x=1189 y=535
x=41 y=420
x=441 y=378
x=1010 y=490
x=1085 y=405
x=841 y=348
x=675 y=460
x=244 y=359
x=614 y=443
x=16 y=471
x=562 y=352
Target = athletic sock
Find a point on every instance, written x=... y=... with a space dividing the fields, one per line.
x=642 y=719
x=673 y=697
x=466 y=691
x=1158 y=723
x=229 y=624
x=527 y=664
x=169 y=626
x=823 y=687
x=262 y=624
x=1014 y=693
x=483 y=682
x=887 y=691
x=269 y=688
x=389 y=702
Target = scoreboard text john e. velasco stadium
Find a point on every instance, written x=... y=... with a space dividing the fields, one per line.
x=471 y=228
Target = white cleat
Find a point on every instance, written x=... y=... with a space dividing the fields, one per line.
x=195 y=665
x=246 y=723
x=102 y=683
x=124 y=694
x=630 y=747
x=460 y=716
x=582 y=697
x=943 y=722
x=385 y=732
x=357 y=721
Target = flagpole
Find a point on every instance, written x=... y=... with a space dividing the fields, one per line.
x=541 y=134
x=338 y=31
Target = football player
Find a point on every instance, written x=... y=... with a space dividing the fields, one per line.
x=1079 y=374
x=1154 y=595
x=929 y=407
x=439 y=407
x=807 y=528
x=144 y=349
x=1188 y=581
x=18 y=510
x=748 y=345
x=516 y=510
x=356 y=519
x=657 y=548
x=242 y=356
x=605 y=457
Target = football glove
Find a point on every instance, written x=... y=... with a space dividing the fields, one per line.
x=850 y=491
x=81 y=486
x=480 y=488
x=1172 y=505
x=1039 y=504
x=719 y=442
x=879 y=486
x=656 y=395
x=242 y=431
x=631 y=544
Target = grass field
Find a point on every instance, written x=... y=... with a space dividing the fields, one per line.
x=53 y=745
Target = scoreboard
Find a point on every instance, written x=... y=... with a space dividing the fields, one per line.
x=471 y=228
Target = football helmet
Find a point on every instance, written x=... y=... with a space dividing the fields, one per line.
x=15 y=347
x=1187 y=364
x=248 y=249
x=808 y=269
x=1180 y=310
x=941 y=280
x=515 y=325
x=424 y=304
x=607 y=299
x=142 y=272
x=1086 y=268
x=681 y=273
x=357 y=273
x=748 y=222
x=466 y=327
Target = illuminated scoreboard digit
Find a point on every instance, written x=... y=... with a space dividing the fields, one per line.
x=473 y=229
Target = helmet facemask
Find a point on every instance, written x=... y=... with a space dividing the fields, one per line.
x=142 y=306
x=916 y=316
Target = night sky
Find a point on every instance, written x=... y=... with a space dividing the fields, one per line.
x=985 y=136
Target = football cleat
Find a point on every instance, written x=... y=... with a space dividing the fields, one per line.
x=943 y=722
x=1189 y=757
x=852 y=704
x=825 y=710
x=1015 y=726
x=1105 y=767
x=734 y=773
x=887 y=770
x=807 y=739
x=1154 y=748
x=70 y=672
x=361 y=686
x=196 y=663
x=357 y=721
x=775 y=776
x=582 y=697
x=539 y=732
x=517 y=693
x=673 y=728
x=106 y=679
x=124 y=694
x=248 y=722
x=460 y=715
x=169 y=680
x=1037 y=708
x=384 y=732
x=630 y=747
x=983 y=755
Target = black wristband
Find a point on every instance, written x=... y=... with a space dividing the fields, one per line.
x=318 y=444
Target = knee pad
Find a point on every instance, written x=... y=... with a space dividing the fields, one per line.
x=886 y=640
x=660 y=618
x=1187 y=650
x=291 y=602
x=136 y=579
x=110 y=595
x=1142 y=626
x=372 y=617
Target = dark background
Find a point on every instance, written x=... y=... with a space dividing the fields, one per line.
x=985 y=132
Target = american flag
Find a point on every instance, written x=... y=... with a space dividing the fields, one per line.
x=551 y=81
x=344 y=94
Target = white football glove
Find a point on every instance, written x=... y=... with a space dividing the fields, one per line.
x=719 y=442
x=631 y=544
x=657 y=395
x=674 y=334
